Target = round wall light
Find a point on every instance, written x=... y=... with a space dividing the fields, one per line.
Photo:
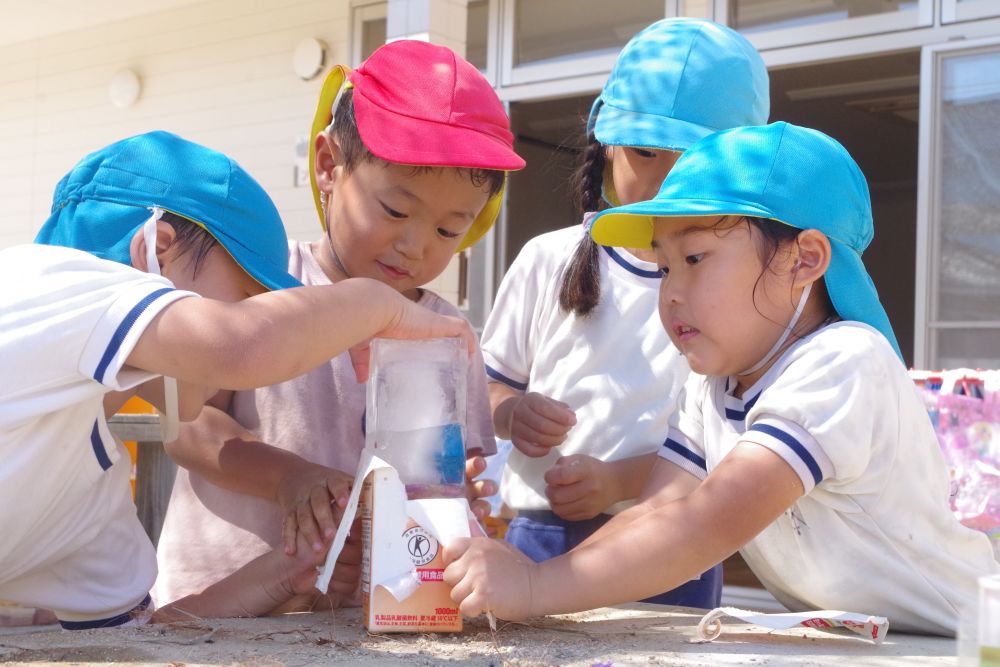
x=124 y=89
x=309 y=58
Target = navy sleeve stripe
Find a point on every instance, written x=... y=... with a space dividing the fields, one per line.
x=500 y=377
x=114 y=621
x=126 y=324
x=795 y=446
x=98 y=445
x=675 y=446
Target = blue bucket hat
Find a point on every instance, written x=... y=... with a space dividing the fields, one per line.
x=105 y=199
x=678 y=80
x=782 y=172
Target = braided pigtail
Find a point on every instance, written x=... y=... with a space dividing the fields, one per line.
x=581 y=285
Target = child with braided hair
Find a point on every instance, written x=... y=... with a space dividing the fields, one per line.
x=585 y=414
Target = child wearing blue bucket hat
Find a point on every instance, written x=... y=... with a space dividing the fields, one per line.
x=585 y=411
x=800 y=441
x=105 y=304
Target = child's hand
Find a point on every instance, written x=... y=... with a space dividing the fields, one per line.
x=539 y=423
x=301 y=567
x=477 y=491
x=309 y=499
x=347 y=571
x=580 y=487
x=413 y=321
x=489 y=575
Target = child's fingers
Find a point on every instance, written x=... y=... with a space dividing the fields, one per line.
x=455 y=550
x=360 y=360
x=320 y=502
x=566 y=470
x=555 y=411
x=339 y=486
x=482 y=488
x=308 y=529
x=529 y=448
x=540 y=429
x=474 y=467
x=480 y=508
x=289 y=532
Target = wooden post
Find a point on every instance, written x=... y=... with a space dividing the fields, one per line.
x=154 y=471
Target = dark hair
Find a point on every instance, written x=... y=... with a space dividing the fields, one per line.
x=345 y=127
x=773 y=235
x=190 y=238
x=581 y=285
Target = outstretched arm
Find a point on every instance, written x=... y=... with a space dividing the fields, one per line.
x=218 y=448
x=669 y=543
x=275 y=336
x=253 y=590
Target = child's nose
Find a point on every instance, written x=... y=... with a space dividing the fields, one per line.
x=670 y=292
x=411 y=242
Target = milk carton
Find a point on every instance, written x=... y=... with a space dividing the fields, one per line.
x=410 y=486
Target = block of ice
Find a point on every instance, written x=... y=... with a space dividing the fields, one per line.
x=415 y=416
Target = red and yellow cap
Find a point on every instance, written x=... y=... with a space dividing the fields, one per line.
x=421 y=104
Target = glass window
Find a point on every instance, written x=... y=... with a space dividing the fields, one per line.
x=758 y=15
x=372 y=36
x=968 y=230
x=477 y=32
x=967 y=348
x=554 y=29
x=701 y=9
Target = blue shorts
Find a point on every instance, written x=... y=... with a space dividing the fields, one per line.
x=542 y=535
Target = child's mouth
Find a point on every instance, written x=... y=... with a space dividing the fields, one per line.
x=685 y=333
x=393 y=272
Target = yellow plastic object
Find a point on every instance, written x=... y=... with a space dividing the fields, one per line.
x=135 y=406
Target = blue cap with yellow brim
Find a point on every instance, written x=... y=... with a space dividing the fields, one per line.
x=797 y=176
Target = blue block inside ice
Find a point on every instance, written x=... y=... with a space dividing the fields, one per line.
x=451 y=458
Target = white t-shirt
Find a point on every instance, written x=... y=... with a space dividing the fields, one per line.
x=873 y=532
x=71 y=541
x=616 y=368
x=209 y=532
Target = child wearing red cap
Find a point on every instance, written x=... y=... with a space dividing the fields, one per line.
x=408 y=161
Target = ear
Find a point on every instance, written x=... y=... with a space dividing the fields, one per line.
x=328 y=158
x=812 y=257
x=165 y=236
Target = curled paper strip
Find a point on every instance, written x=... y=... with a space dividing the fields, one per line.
x=870 y=627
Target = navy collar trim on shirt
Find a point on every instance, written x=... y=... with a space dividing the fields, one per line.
x=736 y=414
x=628 y=266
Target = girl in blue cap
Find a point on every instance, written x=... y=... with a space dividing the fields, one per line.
x=586 y=410
x=801 y=440
x=158 y=260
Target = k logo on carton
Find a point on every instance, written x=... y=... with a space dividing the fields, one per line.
x=421 y=545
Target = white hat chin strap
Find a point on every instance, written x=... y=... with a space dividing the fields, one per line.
x=170 y=422
x=784 y=335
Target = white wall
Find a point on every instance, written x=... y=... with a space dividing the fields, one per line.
x=217 y=72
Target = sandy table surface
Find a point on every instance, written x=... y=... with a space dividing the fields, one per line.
x=631 y=635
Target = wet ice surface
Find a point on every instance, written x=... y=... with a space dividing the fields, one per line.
x=427 y=456
x=416 y=412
